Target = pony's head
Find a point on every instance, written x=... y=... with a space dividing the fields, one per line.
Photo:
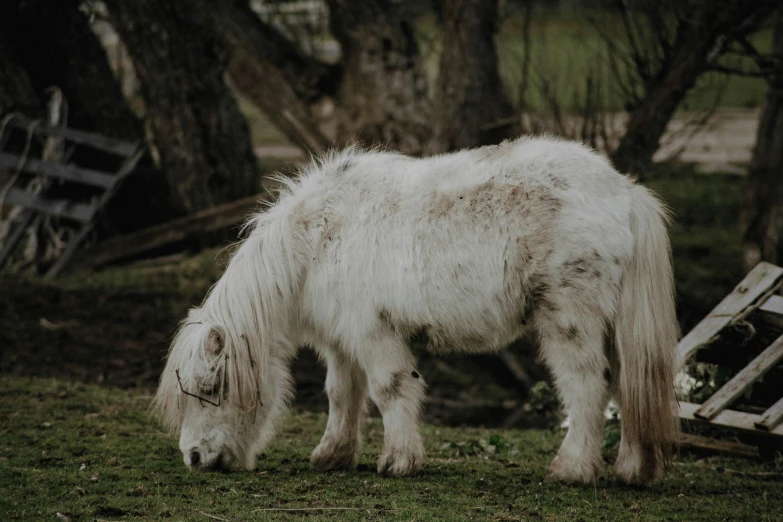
x=223 y=396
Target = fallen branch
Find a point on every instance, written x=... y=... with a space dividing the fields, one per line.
x=718 y=446
x=211 y=219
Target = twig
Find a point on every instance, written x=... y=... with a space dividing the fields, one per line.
x=214 y=517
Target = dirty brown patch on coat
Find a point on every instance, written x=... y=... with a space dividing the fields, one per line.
x=392 y=390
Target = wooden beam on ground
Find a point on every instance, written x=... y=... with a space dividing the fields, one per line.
x=689 y=440
x=765 y=361
x=211 y=219
x=758 y=284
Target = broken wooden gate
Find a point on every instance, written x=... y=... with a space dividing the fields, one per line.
x=83 y=214
x=748 y=321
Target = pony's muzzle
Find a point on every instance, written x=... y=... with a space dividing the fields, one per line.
x=195 y=458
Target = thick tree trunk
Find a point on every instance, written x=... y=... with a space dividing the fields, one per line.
x=383 y=97
x=469 y=99
x=16 y=90
x=57 y=47
x=195 y=126
x=273 y=73
x=762 y=213
x=700 y=40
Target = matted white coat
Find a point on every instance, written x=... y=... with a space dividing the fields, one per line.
x=470 y=250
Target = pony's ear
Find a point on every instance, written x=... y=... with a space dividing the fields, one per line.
x=214 y=342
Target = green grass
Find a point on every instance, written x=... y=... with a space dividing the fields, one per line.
x=91 y=453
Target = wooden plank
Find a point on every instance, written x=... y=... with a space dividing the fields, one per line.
x=126 y=168
x=772 y=417
x=740 y=382
x=716 y=445
x=729 y=419
x=96 y=141
x=773 y=305
x=215 y=218
x=759 y=281
x=54 y=207
x=58 y=170
x=17 y=235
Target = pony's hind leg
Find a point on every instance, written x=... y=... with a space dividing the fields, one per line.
x=346 y=387
x=398 y=390
x=575 y=354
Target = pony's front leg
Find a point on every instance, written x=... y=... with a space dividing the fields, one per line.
x=346 y=387
x=398 y=390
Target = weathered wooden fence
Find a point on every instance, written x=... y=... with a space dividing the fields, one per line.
x=83 y=214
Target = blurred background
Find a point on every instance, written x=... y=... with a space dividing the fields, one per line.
x=213 y=97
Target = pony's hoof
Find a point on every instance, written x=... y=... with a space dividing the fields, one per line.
x=638 y=477
x=580 y=474
x=328 y=456
x=398 y=464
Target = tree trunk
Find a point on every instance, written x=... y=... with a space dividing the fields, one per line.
x=701 y=37
x=383 y=97
x=469 y=100
x=196 y=129
x=58 y=48
x=16 y=89
x=762 y=213
x=273 y=72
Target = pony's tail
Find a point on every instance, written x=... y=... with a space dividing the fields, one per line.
x=646 y=334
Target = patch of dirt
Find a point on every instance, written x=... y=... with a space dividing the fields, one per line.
x=724 y=144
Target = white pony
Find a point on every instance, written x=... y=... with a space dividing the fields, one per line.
x=469 y=250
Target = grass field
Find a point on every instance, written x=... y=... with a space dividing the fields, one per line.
x=80 y=452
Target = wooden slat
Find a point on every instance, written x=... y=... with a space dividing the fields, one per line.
x=773 y=305
x=58 y=170
x=54 y=207
x=740 y=382
x=759 y=281
x=96 y=141
x=729 y=419
x=16 y=236
x=127 y=167
x=772 y=417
